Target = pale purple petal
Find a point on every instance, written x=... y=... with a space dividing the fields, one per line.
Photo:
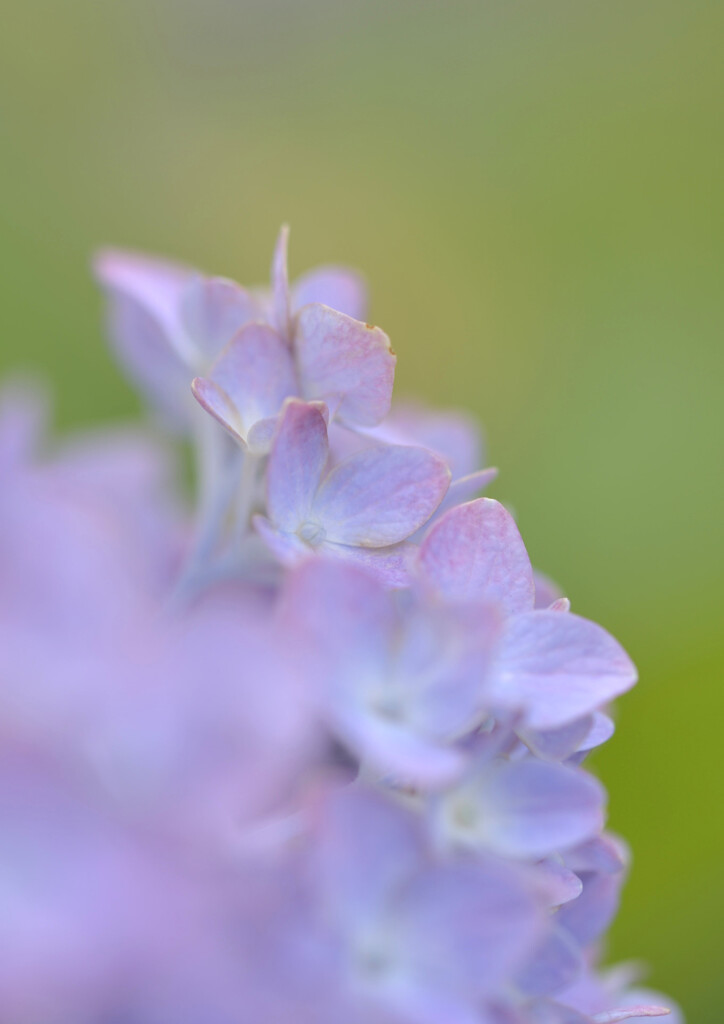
x=143 y=312
x=452 y=435
x=526 y=808
x=546 y=590
x=557 y=744
x=249 y=381
x=381 y=495
x=288 y=548
x=390 y=565
x=629 y=1013
x=559 y=667
x=344 y=362
x=337 y=287
x=213 y=310
x=475 y=552
x=280 y=283
x=556 y=963
x=465 y=488
x=471 y=924
x=296 y=463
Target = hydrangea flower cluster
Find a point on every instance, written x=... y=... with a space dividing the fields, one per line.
x=313 y=754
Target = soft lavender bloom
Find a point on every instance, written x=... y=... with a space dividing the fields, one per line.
x=361 y=509
x=312 y=755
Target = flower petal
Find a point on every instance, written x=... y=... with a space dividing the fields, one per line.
x=337 y=287
x=475 y=552
x=145 y=331
x=380 y=495
x=296 y=463
x=559 y=667
x=213 y=309
x=249 y=381
x=280 y=283
x=390 y=564
x=344 y=359
x=534 y=808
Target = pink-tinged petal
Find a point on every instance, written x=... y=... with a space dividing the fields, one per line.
x=475 y=552
x=296 y=463
x=630 y=1013
x=465 y=488
x=286 y=547
x=390 y=565
x=472 y=924
x=155 y=284
x=452 y=435
x=342 y=358
x=337 y=287
x=213 y=310
x=557 y=668
x=249 y=382
x=558 y=882
x=546 y=590
x=218 y=404
x=561 y=604
x=280 y=283
x=143 y=321
x=381 y=495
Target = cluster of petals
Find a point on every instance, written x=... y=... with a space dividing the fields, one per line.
x=315 y=753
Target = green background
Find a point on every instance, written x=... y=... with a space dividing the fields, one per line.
x=534 y=190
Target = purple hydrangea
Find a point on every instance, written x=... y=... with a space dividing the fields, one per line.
x=314 y=752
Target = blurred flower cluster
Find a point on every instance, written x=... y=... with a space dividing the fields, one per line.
x=312 y=754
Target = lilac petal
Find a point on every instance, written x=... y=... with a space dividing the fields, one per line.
x=472 y=923
x=155 y=285
x=560 y=884
x=144 y=299
x=337 y=287
x=365 y=846
x=248 y=382
x=347 y=359
x=475 y=552
x=554 y=965
x=588 y=917
x=218 y=403
x=465 y=488
x=558 y=744
x=390 y=564
x=631 y=1012
x=546 y=590
x=527 y=808
x=213 y=310
x=280 y=283
x=296 y=463
x=392 y=750
x=559 y=667
x=288 y=548
x=381 y=495
x=601 y=730
x=561 y=604
x=547 y=1012
x=452 y=435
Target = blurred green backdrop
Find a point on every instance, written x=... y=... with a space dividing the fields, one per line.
x=535 y=192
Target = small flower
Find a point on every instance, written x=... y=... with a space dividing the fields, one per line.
x=361 y=509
